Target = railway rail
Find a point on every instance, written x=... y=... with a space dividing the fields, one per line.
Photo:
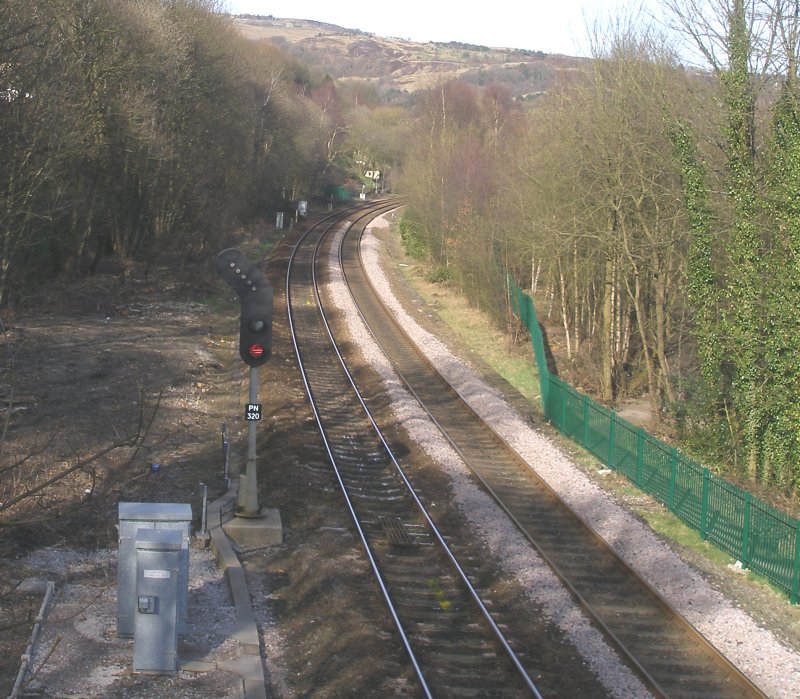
x=450 y=638
x=456 y=646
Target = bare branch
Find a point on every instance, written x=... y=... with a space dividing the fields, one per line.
x=24 y=459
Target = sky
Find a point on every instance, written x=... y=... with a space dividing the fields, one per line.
x=552 y=26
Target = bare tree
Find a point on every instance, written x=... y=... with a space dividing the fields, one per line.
x=605 y=207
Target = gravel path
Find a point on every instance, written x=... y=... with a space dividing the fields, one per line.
x=773 y=666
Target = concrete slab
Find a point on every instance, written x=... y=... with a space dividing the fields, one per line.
x=265 y=530
x=78 y=653
x=196 y=666
x=252 y=674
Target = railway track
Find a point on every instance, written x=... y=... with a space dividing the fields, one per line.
x=456 y=647
x=449 y=637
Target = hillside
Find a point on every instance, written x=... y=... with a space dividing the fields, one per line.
x=398 y=67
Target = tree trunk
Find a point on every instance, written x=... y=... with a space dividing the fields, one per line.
x=660 y=282
x=607 y=340
x=564 y=309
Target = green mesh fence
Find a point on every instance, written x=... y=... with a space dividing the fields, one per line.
x=764 y=539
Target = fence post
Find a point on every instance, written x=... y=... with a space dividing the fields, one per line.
x=745 y=554
x=704 y=506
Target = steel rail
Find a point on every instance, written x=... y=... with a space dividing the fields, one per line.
x=472 y=592
x=362 y=535
x=499 y=635
x=648 y=680
x=622 y=647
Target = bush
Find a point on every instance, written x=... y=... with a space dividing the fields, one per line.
x=415 y=245
x=438 y=275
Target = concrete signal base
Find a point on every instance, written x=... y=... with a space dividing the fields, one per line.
x=262 y=530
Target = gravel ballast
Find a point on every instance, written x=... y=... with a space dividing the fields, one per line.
x=768 y=662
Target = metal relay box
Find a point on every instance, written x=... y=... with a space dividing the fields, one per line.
x=134 y=516
x=158 y=554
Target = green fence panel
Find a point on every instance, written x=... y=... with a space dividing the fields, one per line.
x=657 y=460
x=523 y=305
x=688 y=491
x=555 y=402
x=623 y=459
x=574 y=410
x=764 y=539
x=773 y=547
x=598 y=431
x=726 y=510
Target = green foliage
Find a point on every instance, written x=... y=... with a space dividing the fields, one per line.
x=743 y=286
x=438 y=275
x=780 y=445
x=412 y=239
x=633 y=248
x=129 y=130
x=704 y=425
x=701 y=276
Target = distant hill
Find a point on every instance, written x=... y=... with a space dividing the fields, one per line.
x=397 y=67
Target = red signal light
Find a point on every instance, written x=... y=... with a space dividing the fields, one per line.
x=256 y=351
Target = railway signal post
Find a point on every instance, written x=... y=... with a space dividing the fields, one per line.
x=252 y=525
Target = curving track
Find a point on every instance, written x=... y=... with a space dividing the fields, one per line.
x=451 y=640
x=456 y=647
